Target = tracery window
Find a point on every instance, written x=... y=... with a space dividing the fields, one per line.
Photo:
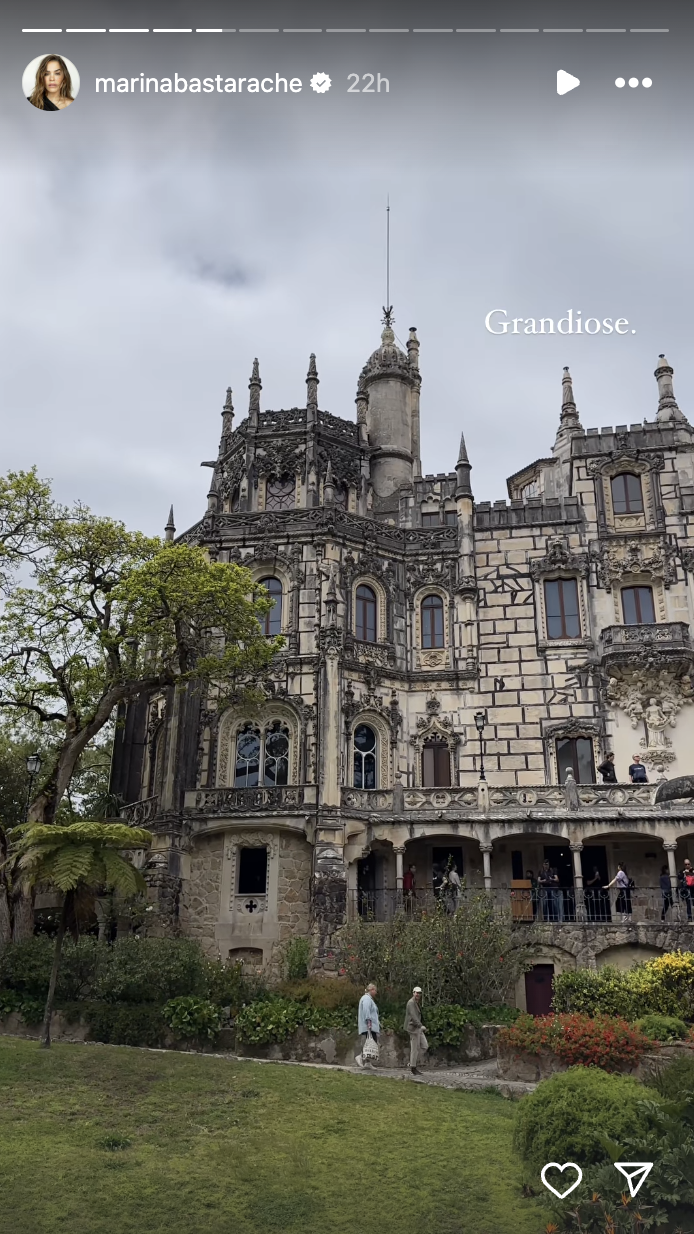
x=627 y=493
x=364 y=756
x=436 y=763
x=637 y=606
x=271 y=623
x=265 y=748
x=365 y=616
x=432 y=621
x=280 y=493
x=561 y=605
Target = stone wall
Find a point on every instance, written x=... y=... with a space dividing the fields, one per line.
x=200 y=894
x=293 y=887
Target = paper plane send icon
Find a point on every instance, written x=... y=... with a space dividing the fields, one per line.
x=566 y=82
x=635 y=1172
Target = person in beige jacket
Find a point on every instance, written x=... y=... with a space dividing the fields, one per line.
x=415 y=1028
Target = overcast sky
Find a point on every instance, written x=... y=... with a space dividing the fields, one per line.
x=153 y=245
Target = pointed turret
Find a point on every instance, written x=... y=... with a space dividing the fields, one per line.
x=227 y=422
x=462 y=471
x=329 y=487
x=391 y=384
x=170 y=529
x=667 y=403
x=255 y=386
x=312 y=391
x=569 y=420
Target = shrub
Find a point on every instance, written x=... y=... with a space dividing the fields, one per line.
x=467 y=957
x=192 y=1018
x=152 y=970
x=122 y=1024
x=227 y=985
x=297 y=956
x=277 y=1018
x=328 y=993
x=664 y=986
x=662 y=1027
x=604 y=1041
x=676 y=1080
x=603 y=992
x=564 y=1119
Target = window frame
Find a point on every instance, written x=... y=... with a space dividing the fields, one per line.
x=252 y=848
x=274 y=616
x=274 y=725
x=286 y=498
x=634 y=589
x=359 y=758
x=562 y=614
x=362 y=605
x=430 y=604
x=436 y=746
x=625 y=477
x=575 y=759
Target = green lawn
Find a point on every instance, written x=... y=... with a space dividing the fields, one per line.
x=219 y=1147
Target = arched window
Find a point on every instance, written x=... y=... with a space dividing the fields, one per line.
x=276 y=754
x=266 y=748
x=575 y=754
x=432 y=621
x=627 y=495
x=366 y=614
x=364 y=757
x=271 y=623
x=637 y=606
x=436 y=763
x=280 y=493
x=561 y=602
x=247 y=769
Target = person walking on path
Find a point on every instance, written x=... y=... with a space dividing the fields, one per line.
x=367 y=1019
x=415 y=1028
x=607 y=770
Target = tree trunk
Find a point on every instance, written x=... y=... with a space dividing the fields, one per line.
x=22 y=916
x=46 y=1030
x=5 y=917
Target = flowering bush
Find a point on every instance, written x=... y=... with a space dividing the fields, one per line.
x=192 y=1018
x=605 y=1041
x=664 y=986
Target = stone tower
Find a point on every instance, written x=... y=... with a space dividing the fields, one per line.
x=390 y=380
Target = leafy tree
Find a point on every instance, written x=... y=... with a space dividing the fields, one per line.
x=25 y=508
x=78 y=859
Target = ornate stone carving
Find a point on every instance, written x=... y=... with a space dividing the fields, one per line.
x=643 y=689
x=431 y=573
x=559 y=558
x=686 y=556
x=618 y=560
x=644 y=460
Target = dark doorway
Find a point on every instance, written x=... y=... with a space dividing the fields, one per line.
x=594 y=857
x=439 y=856
x=369 y=886
x=559 y=857
x=252 y=871
x=517 y=867
x=538 y=989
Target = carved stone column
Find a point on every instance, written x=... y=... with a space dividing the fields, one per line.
x=670 y=847
x=486 y=850
x=576 y=850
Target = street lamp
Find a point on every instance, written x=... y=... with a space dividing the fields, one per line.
x=33 y=765
x=480 y=720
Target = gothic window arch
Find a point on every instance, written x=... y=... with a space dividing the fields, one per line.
x=627 y=493
x=364 y=756
x=434 y=741
x=271 y=623
x=433 y=621
x=436 y=762
x=280 y=492
x=366 y=614
x=572 y=745
x=259 y=753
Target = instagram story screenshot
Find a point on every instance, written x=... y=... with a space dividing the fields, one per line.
x=347 y=617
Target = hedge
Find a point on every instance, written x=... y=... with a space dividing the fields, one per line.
x=663 y=986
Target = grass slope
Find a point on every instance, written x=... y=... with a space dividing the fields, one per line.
x=217 y=1146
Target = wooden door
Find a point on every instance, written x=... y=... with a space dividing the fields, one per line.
x=538 y=989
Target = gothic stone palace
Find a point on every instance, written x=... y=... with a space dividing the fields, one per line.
x=559 y=620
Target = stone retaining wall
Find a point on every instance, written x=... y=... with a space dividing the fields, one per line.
x=535 y=1067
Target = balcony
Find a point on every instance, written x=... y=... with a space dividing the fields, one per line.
x=222 y=801
x=139 y=813
x=564 y=906
x=665 y=644
x=536 y=798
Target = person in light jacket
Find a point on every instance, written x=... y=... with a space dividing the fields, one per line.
x=415 y=1028
x=367 y=1019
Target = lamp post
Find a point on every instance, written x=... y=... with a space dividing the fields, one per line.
x=480 y=719
x=33 y=766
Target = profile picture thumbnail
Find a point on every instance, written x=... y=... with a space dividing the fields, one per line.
x=50 y=82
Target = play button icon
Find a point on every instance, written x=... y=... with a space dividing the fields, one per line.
x=566 y=82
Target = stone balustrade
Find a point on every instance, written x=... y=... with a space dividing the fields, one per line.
x=139 y=813
x=285 y=799
x=530 y=797
x=666 y=641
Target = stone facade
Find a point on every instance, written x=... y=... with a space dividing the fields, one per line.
x=559 y=617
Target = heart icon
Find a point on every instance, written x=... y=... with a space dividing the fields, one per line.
x=568 y=1165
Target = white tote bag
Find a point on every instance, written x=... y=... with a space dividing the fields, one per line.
x=370 y=1050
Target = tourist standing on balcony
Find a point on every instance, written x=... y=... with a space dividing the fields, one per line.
x=665 y=890
x=607 y=770
x=550 y=893
x=367 y=1019
x=451 y=888
x=687 y=886
x=637 y=771
x=415 y=1028
x=622 y=881
x=594 y=896
x=409 y=888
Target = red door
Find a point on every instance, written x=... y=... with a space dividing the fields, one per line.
x=538 y=989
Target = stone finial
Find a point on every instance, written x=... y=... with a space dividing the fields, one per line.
x=213 y=494
x=170 y=529
x=569 y=414
x=227 y=421
x=667 y=403
x=362 y=401
x=462 y=471
x=255 y=386
x=329 y=486
x=312 y=389
x=413 y=348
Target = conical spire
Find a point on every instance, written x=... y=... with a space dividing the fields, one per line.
x=312 y=390
x=569 y=414
x=255 y=386
x=170 y=529
x=413 y=348
x=667 y=403
x=227 y=422
x=462 y=471
x=329 y=486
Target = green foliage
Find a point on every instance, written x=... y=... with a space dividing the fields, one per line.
x=676 y=1080
x=467 y=957
x=122 y=1023
x=297 y=956
x=276 y=1019
x=152 y=970
x=81 y=853
x=446 y=1025
x=328 y=994
x=566 y=1116
x=227 y=985
x=30 y=1008
x=662 y=986
x=193 y=1018
x=662 y=1027
x=600 y=1041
